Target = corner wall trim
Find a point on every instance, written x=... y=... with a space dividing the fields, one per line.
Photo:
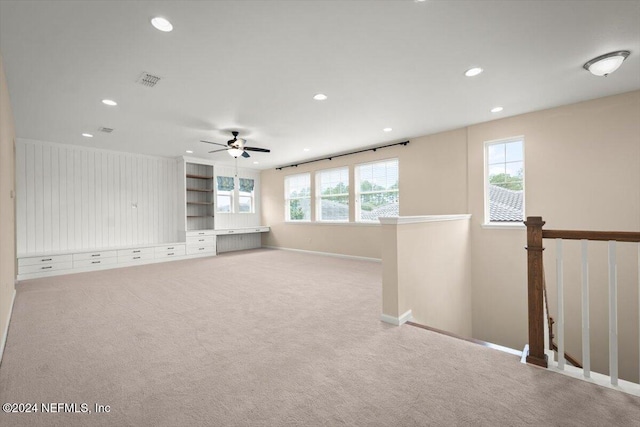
x=5 y=333
x=361 y=258
x=397 y=321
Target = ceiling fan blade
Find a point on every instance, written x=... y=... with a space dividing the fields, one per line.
x=214 y=143
x=261 y=150
x=215 y=151
x=245 y=155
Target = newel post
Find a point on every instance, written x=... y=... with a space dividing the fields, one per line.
x=534 y=248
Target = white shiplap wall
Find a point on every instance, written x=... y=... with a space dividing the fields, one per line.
x=71 y=198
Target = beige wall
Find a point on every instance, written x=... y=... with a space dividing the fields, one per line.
x=582 y=171
x=582 y=166
x=430 y=272
x=423 y=190
x=7 y=207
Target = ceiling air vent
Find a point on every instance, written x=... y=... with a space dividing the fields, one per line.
x=105 y=130
x=148 y=80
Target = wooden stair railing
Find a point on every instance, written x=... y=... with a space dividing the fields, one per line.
x=535 y=277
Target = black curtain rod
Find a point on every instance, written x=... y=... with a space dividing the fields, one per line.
x=404 y=143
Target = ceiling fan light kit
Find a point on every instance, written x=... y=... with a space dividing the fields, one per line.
x=236 y=148
x=235 y=152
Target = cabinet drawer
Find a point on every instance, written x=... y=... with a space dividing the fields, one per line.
x=134 y=251
x=200 y=249
x=41 y=268
x=200 y=233
x=200 y=240
x=134 y=258
x=94 y=255
x=170 y=248
x=44 y=260
x=177 y=251
x=82 y=263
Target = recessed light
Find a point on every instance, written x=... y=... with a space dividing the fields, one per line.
x=87 y=135
x=387 y=129
x=255 y=163
x=496 y=109
x=319 y=96
x=162 y=24
x=471 y=72
x=305 y=149
x=109 y=102
x=189 y=151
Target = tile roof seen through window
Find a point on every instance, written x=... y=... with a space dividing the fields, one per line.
x=505 y=205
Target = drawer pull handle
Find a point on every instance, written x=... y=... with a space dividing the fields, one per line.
x=201 y=249
x=201 y=233
x=136 y=257
x=95 y=262
x=45 y=259
x=231 y=231
x=200 y=240
x=170 y=253
x=170 y=248
x=49 y=266
x=136 y=252
x=95 y=255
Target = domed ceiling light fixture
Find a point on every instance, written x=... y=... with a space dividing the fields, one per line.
x=606 y=64
x=235 y=152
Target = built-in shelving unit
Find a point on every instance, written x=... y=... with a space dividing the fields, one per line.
x=196 y=199
x=199 y=200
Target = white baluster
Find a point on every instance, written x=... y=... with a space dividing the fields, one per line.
x=560 y=321
x=613 y=314
x=586 y=350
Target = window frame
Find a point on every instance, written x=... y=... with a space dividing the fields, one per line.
x=251 y=196
x=487 y=223
x=319 y=196
x=358 y=193
x=287 y=199
x=225 y=193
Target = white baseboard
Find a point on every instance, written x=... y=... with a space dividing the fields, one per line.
x=397 y=320
x=5 y=333
x=361 y=258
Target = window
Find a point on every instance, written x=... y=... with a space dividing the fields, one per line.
x=245 y=198
x=297 y=191
x=504 y=169
x=225 y=189
x=377 y=190
x=332 y=188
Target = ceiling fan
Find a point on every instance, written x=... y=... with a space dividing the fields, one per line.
x=236 y=148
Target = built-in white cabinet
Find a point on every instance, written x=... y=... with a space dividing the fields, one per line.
x=201 y=241
x=83 y=209
x=34 y=266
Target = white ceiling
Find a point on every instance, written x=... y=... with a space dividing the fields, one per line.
x=254 y=66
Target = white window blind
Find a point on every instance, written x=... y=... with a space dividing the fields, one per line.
x=332 y=188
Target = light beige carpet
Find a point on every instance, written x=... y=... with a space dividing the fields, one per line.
x=265 y=338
